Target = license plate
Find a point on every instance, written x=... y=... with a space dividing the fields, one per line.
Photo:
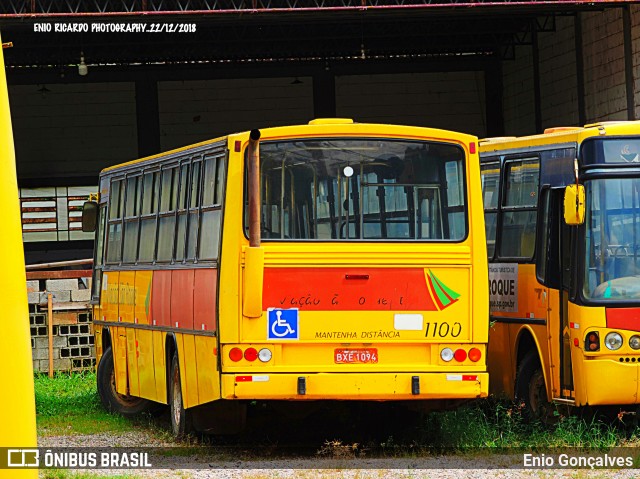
x=356 y=356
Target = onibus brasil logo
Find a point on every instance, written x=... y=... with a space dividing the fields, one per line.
x=442 y=295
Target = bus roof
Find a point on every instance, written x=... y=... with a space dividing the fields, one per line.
x=559 y=135
x=320 y=127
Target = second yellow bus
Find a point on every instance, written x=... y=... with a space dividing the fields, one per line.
x=562 y=216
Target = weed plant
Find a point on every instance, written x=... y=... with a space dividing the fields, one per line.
x=69 y=404
x=73 y=393
x=502 y=424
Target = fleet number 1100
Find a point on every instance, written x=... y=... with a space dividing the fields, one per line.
x=443 y=330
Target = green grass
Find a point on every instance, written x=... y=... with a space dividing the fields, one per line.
x=502 y=424
x=69 y=404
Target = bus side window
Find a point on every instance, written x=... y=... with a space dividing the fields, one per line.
x=490 y=174
x=114 y=236
x=181 y=237
x=167 y=221
x=212 y=197
x=148 y=224
x=193 y=223
x=131 y=220
x=519 y=209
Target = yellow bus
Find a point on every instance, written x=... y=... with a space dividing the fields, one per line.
x=333 y=260
x=562 y=213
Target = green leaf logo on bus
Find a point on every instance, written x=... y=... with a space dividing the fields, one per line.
x=442 y=295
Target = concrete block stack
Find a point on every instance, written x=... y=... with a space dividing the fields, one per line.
x=73 y=348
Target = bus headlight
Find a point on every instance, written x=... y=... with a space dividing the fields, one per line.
x=446 y=354
x=634 y=342
x=613 y=341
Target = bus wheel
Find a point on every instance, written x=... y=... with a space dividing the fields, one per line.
x=180 y=417
x=531 y=388
x=112 y=400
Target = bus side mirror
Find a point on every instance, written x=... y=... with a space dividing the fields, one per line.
x=89 y=216
x=574 y=205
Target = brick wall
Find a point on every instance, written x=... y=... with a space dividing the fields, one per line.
x=72 y=130
x=192 y=111
x=558 y=82
x=72 y=327
x=635 y=39
x=604 y=78
x=449 y=100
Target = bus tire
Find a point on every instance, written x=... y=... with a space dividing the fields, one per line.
x=531 y=389
x=111 y=399
x=181 y=423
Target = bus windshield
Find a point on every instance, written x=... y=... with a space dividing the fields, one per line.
x=612 y=239
x=362 y=189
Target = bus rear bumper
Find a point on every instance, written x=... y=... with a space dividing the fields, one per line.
x=609 y=382
x=357 y=386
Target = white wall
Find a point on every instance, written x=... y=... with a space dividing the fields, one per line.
x=518 y=98
x=558 y=79
x=449 y=100
x=193 y=111
x=73 y=129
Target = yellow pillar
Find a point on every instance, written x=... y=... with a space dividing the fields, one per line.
x=17 y=403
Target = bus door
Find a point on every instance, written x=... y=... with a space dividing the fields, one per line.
x=557 y=237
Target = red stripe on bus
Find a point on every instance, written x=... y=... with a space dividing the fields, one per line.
x=623 y=318
x=327 y=289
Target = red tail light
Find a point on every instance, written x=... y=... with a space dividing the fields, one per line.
x=251 y=354
x=475 y=354
x=235 y=354
x=592 y=342
x=460 y=355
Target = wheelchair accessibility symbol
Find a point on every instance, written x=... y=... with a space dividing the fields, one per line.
x=282 y=324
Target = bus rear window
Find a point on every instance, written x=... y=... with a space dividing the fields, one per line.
x=362 y=189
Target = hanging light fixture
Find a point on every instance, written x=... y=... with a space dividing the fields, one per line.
x=82 y=66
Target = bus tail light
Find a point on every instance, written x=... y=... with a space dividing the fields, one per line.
x=475 y=354
x=460 y=355
x=446 y=355
x=265 y=355
x=592 y=342
x=251 y=354
x=235 y=354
